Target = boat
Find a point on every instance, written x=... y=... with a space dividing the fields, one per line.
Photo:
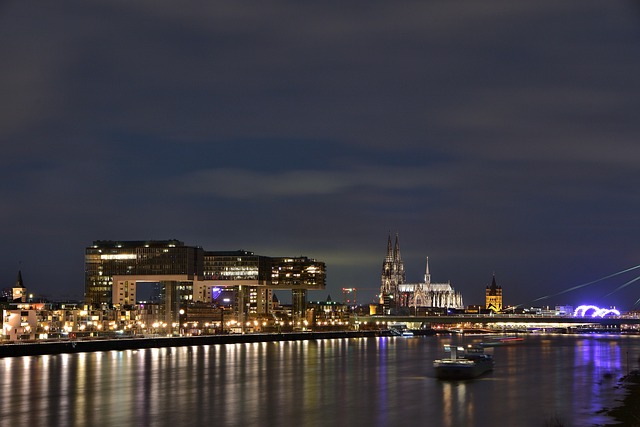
x=464 y=363
x=495 y=341
x=401 y=333
x=400 y=330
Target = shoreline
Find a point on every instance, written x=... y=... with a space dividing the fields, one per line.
x=628 y=413
x=89 y=345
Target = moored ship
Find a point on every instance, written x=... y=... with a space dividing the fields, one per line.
x=463 y=364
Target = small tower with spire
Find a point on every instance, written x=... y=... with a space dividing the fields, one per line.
x=19 y=291
x=427 y=276
x=493 y=296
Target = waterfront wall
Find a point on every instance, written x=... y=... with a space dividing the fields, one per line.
x=81 y=346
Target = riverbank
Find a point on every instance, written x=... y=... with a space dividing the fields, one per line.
x=88 y=345
x=628 y=413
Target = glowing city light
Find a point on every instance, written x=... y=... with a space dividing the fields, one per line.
x=594 y=311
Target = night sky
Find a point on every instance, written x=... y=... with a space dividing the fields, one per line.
x=497 y=137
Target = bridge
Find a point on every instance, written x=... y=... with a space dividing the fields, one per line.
x=487 y=320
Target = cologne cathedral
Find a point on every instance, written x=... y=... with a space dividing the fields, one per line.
x=397 y=296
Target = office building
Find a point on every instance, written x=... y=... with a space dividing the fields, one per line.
x=114 y=271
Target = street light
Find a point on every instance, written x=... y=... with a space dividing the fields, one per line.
x=180 y=314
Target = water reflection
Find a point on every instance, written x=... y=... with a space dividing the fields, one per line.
x=600 y=359
x=355 y=382
x=454 y=402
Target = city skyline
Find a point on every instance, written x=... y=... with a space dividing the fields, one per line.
x=499 y=138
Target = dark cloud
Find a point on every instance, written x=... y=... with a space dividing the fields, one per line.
x=495 y=136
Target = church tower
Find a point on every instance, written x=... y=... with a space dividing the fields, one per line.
x=392 y=276
x=19 y=292
x=493 y=299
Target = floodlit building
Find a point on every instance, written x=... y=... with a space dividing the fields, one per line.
x=493 y=296
x=392 y=277
x=430 y=295
x=396 y=294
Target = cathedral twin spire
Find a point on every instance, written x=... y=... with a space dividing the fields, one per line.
x=393 y=253
x=395 y=293
x=393 y=262
x=392 y=270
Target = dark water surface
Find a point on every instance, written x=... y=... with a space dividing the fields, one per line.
x=343 y=382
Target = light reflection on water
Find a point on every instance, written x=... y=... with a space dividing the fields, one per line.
x=355 y=382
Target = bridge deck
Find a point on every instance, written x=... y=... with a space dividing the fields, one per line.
x=499 y=318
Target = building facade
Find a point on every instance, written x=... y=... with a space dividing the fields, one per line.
x=155 y=260
x=430 y=295
x=396 y=295
x=392 y=277
x=493 y=296
x=188 y=274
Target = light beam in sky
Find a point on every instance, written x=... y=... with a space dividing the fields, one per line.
x=624 y=285
x=592 y=282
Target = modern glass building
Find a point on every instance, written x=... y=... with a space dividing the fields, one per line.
x=300 y=275
x=236 y=266
x=156 y=259
x=189 y=274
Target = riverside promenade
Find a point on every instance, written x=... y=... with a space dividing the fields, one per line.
x=18 y=349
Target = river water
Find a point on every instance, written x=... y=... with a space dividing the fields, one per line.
x=387 y=381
